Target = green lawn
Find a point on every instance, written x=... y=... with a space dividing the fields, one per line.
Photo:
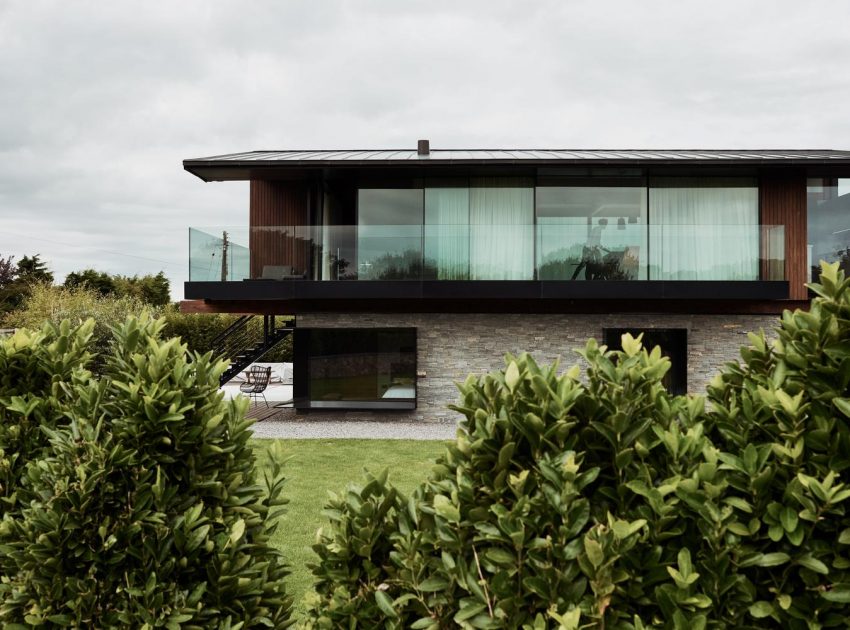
x=317 y=466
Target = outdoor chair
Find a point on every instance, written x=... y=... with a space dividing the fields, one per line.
x=256 y=380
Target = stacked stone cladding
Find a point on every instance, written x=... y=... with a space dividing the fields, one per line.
x=450 y=346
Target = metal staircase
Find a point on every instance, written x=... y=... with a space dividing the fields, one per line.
x=244 y=341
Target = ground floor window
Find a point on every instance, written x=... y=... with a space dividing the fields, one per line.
x=355 y=368
x=674 y=345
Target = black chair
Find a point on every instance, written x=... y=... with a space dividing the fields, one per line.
x=256 y=380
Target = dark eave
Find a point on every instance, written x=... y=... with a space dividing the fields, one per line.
x=243 y=166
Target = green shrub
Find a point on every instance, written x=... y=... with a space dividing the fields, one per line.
x=48 y=303
x=37 y=371
x=77 y=303
x=527 y=518
x=781 y=419
x=145 y=507
x=198 y=330
x=613 y=504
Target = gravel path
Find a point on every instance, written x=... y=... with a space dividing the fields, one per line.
x=353 y=430
x=285 y=425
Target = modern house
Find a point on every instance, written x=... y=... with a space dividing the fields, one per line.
x=407 y=270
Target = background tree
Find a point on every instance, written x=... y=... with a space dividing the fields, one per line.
x=8 y=273
x=16 y=281
x=7 y=270
x=153 y=289
x=96 y=280
x=33 y=269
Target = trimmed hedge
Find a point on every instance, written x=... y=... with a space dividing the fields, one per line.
x=131 y=499
x=610 y=503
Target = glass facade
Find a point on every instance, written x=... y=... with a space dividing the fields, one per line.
x=447 y=230
x=828 y=223
x=704 y=229
x=591 y=232
x=589 y=226
x=478 y=229
x=389 y=235
x=219 y=256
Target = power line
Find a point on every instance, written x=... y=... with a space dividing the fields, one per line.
x=97 y=249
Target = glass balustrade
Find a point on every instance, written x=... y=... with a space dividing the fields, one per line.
x=548 y=251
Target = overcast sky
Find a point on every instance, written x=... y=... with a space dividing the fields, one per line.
x=100 y=101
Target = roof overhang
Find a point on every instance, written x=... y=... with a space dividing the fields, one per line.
x=274 y=164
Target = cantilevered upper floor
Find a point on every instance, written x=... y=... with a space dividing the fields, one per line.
x=522 y=230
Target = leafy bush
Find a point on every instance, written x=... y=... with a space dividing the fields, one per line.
x=198 y=330
x=613 y=504
x=782 y=421
x=151 y=289
x=144 y=507
x=48 y=303
x=527 y=518
x=37 y=370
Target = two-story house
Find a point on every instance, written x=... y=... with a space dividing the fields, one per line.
x=407 y=270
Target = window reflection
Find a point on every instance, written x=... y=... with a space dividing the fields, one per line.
x=828 y=223
x=591 y=232
x=389 y=236
x=360 y=367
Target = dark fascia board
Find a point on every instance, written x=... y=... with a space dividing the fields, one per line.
x=210 y=170
x=360 y=293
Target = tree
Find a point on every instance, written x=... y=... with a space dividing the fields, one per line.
x=95 y=280
x=16 y=281
x=7 y=271
x=154 y=290
x=34 y=269
x=151 y=289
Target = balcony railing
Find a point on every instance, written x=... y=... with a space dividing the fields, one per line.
x=545 y=251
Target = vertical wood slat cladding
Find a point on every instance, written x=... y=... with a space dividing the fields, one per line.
x=783 y=202
x=278 y=204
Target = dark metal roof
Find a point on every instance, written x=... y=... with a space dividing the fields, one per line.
x=211 y=167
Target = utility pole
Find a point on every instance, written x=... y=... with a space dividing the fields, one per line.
x=224 y=245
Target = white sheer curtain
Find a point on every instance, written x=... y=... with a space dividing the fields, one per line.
x=447 y=232
x=703 y=229
x=501 y=223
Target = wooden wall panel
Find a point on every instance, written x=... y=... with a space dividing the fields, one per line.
x=275 y=209
x=783 y=202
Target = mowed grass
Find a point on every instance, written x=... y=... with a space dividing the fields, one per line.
x=318 y=466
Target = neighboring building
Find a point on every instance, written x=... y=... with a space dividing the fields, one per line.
x=407 y=270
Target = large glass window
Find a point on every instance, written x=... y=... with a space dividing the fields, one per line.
x=828 y=223
x=591 y=231
x=447 y=230
x=583 y=225
x=389 y=234
x=501 y=228
x=368 y=368
x=703 y=229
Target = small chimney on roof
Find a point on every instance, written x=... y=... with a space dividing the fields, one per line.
x=423 y=147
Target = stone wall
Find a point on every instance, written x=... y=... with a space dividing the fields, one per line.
x=451 y=346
